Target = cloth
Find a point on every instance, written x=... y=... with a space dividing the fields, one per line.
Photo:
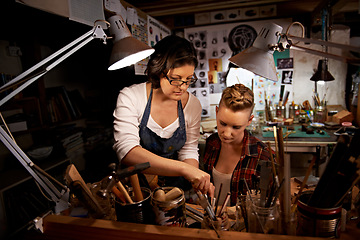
x=129 y=111
x=165 y=147
x=253 y=151
x=224 y=179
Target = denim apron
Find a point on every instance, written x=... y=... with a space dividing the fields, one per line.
x=164 y=147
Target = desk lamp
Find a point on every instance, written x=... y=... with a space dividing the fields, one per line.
x=126 y=51
x=259 y=60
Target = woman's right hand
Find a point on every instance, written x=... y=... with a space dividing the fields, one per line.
x=200 y=180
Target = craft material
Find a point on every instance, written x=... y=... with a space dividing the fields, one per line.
x=218 y=198
x=205 y=205
x=223 y=207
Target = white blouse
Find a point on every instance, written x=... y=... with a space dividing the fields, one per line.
x=128 y=113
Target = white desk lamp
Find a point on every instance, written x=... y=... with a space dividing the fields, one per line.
x=126 y=51
x=259 y=59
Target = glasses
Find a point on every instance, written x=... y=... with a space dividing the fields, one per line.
x=175 y=82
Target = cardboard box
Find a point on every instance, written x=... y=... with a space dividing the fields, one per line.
x=343 y=116
x=332 y=110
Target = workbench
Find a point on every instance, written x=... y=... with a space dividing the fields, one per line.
x=58 y=227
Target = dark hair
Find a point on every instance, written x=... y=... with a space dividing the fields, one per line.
x=170 y=52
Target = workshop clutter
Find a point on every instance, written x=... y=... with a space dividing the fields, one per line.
x=268 y=207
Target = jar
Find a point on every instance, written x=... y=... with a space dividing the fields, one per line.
x=280 y=111
x=320 y=114
x=262 y=219
x=294 y=113
x=169 y=213
x=222 y=222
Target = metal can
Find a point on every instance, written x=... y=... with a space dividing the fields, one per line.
x=317 y=222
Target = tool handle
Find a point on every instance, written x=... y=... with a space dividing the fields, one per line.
x=136 y=187
x=123 y=191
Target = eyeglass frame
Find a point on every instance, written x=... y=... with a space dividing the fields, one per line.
x=182 y=82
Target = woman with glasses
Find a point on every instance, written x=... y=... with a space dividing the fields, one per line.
x=159 y=121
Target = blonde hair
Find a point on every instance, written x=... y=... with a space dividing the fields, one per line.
x=238 y=97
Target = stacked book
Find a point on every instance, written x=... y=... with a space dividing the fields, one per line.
x=73 y=145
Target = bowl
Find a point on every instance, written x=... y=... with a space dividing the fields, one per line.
x=317 y=125
x=40 y=153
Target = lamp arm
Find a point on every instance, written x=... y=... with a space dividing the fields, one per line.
x=325 y=54
x=325 y=43
x=96 y=32
x=60 y=197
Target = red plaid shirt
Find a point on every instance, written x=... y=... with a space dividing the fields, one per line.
x=253 y=151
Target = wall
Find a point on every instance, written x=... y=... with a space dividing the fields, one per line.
x=305 y=64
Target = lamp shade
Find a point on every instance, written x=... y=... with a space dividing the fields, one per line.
x=322 y=73
x=259 y=57
x=127 y=50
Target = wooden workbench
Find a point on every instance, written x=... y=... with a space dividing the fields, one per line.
x=58 y=227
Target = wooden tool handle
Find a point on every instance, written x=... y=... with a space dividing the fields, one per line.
x=118 y=194
x=123 y=191
x=136 y=187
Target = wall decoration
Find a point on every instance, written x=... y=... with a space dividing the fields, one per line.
x=215 y=44
x=156 y=31
x=285 y=63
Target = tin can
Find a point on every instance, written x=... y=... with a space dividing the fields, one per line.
x=137 y=212
x=317 y=222
x=169 y=213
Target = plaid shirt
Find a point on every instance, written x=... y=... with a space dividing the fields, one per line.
x=253 y=151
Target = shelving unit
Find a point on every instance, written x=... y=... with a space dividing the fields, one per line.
x=21 y=201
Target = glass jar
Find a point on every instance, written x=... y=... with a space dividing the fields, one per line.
x=280 y=111
x=262 y=219
x=320 y=114
x=294 y=113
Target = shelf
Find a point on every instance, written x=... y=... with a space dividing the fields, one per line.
x=13 y=177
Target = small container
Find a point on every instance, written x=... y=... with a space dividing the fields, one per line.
x=137 y=212
x=280 y=111
x=317 y=222
x=294 y=113
x=222 y=223
x=320 y=114
x=169 y=213
x=262 y=219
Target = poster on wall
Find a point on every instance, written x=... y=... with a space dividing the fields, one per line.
x=139 y=31
x=215 y=44
x=156 y=31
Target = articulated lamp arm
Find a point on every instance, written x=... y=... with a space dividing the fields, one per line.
x=59 y=194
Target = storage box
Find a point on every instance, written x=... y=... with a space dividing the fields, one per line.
x=343 y=116
x=332 y=110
